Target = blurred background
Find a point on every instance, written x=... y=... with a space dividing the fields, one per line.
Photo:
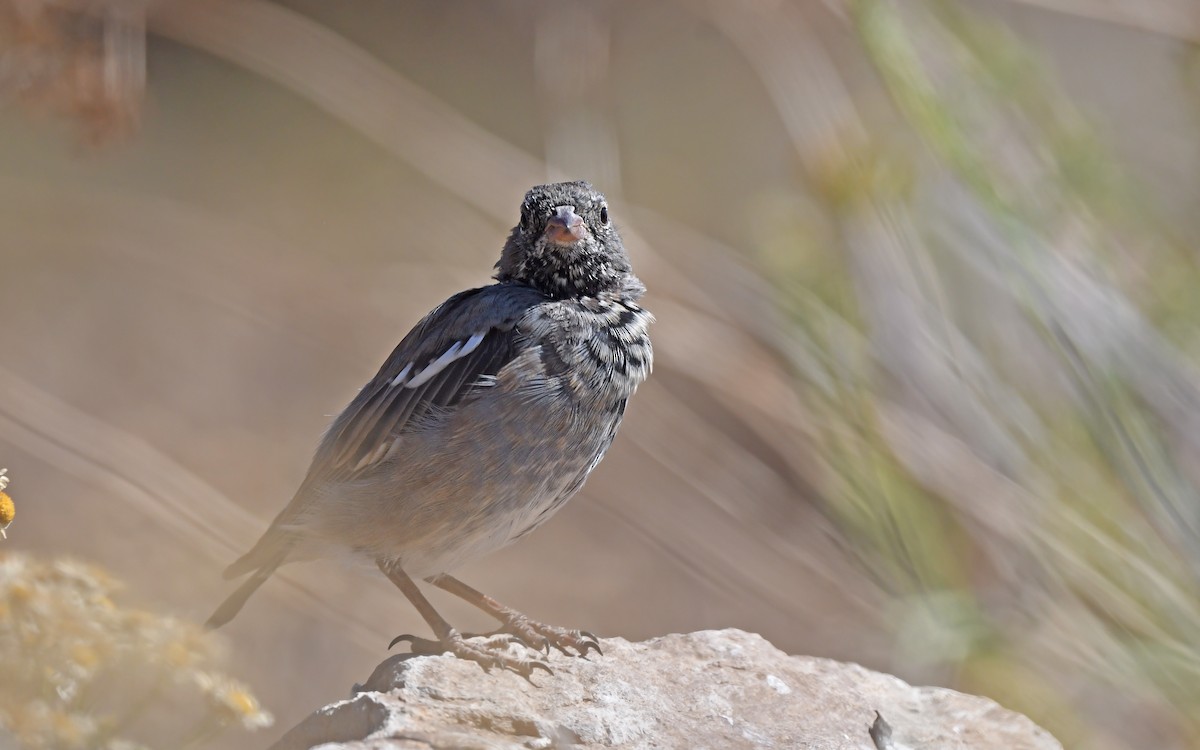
x=926 y=394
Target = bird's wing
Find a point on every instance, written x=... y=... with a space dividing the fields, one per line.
x=441 y=362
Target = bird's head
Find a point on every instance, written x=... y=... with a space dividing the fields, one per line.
x=565 y=244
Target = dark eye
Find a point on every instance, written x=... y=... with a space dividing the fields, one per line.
x=524 y=218
x=604 y=215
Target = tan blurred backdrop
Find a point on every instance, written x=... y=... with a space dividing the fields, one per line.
x=185 y=300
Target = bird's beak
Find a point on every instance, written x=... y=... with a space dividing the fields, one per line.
x=565 y=226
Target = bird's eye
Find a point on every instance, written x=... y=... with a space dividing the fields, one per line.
x=524 y=218
x=604 y=215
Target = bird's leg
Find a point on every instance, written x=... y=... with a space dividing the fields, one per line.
x=533 y=633
x=448 y=639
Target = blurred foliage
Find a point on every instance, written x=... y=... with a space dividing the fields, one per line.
x=1096 y=577
x=81 y=671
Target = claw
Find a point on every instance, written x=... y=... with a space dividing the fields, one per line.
x=417 y=645
x=526 y=666
x=490 y=653
x=589 y=641
x=541 y=637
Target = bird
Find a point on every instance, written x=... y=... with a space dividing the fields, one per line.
x=483 y=421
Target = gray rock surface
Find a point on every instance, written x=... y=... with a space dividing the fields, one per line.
x=711 y=689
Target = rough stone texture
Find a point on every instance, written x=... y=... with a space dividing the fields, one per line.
x=711 y=689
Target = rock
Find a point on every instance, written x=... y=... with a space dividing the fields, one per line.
x=712 y=689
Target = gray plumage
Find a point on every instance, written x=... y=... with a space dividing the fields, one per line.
x=486 y=417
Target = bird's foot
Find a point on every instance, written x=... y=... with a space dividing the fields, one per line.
x=541 y=636
x=488 y=651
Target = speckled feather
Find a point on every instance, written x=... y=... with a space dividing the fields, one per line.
x=488 y=415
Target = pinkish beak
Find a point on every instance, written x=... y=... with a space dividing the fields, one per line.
x=565 y=226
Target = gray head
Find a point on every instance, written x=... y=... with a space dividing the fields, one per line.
x=565 y=244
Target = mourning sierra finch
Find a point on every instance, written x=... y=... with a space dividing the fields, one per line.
x=484 y=420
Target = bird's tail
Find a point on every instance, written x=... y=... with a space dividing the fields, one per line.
x=261 y=561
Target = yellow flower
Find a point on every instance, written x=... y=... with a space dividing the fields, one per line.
x=61 y=628
x=179 y=655
x=70 y=730
x=67 y=730
x=7 y=511
x=241 y=702
x=233 y=701
x=20 y=593
x=85 y=656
